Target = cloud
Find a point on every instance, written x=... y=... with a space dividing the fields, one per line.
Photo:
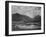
x=30 y=11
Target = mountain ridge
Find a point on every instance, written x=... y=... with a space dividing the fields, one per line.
x=24 y=18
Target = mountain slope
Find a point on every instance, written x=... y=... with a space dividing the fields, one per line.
x=19 y=17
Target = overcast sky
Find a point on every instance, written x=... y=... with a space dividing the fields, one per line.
x=30 y=11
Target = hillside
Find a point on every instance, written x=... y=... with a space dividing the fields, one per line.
x=18 y=17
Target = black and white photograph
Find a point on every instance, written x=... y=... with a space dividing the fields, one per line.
x=25 y=18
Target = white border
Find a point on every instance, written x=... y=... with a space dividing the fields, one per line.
x=24 y=32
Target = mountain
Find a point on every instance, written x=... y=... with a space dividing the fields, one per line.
x=19 y=17
x=37 y=18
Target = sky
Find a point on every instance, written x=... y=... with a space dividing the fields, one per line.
x=30 y=11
